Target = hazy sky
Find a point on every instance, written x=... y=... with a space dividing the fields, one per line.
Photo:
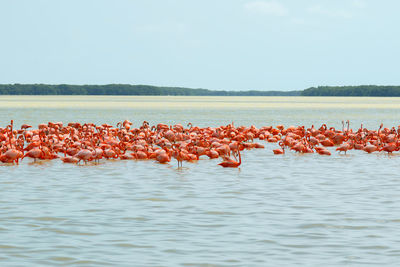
x=214 y=44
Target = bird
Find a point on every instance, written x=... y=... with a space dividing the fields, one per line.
x=322 y=151
x=390 y=147
x=86 y=141
x=231 y=163
x=85 y=155
x=179 y=155
x=69 y=159
x=11 y=156
x=370 y=148
x=280 y=151
x=162 y=156
x=35 y=153
x=344 y=147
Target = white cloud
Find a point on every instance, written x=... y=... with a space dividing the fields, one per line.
x=267 y=7
x=320 y=10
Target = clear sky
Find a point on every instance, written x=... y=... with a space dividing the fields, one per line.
x=213 y=44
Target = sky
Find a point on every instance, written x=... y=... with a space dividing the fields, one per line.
x=212 y=44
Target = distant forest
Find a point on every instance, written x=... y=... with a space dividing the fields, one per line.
x=361 y=90
x=127 y=89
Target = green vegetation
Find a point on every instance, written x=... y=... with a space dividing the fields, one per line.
x=125 y=89
x=361 y=90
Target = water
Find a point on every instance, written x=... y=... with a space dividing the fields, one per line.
x=293 y=209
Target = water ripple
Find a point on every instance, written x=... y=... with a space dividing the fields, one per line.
x=301 y=210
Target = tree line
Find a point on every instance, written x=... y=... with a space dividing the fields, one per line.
x=126 y=89
x=361 y=90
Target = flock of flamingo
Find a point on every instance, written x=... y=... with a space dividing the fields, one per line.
x=76 y=142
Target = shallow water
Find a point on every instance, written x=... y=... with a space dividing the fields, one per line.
x=294 y=209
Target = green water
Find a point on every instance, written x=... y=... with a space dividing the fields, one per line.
x=307 y=210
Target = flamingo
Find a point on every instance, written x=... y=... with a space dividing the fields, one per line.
x=11 y=156
x=85 y=155
x=69 y=160
x=90 y=142
x=280 y=151
x=231 y=163
x=34 y=153
x=323 y=151
x=162 y=156
x=344 y=147
x=390 y=148
x=370 y=148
